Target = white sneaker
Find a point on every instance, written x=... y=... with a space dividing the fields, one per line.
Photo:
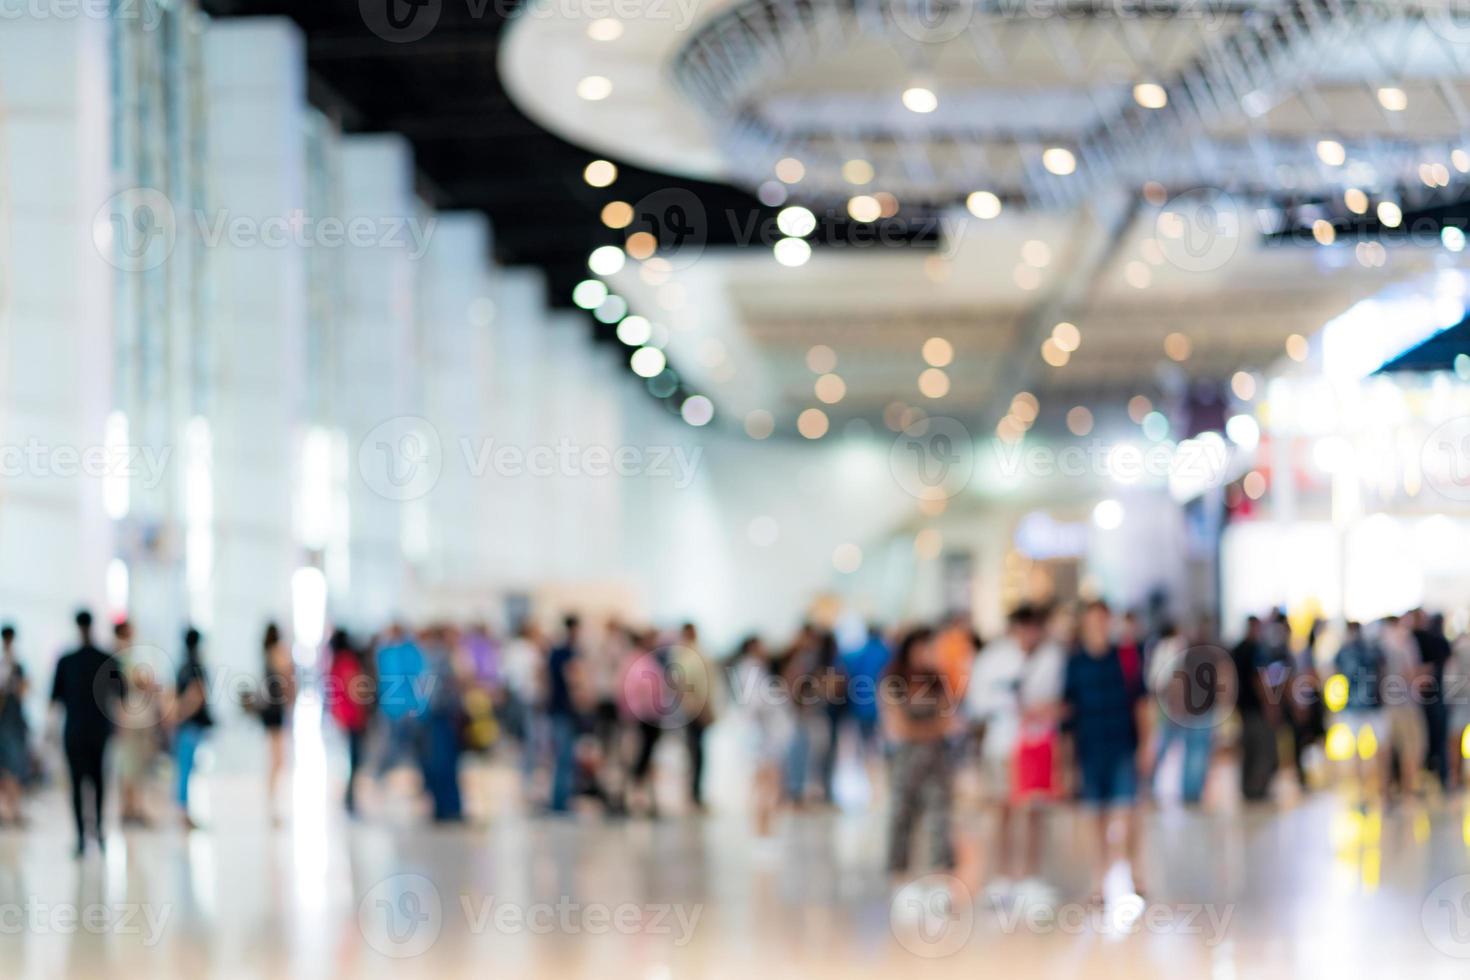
x=1035 y=891
x=1000 y=889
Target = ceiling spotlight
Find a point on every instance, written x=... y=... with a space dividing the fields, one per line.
x=1178 y=347
x=1390 y=214
x=796 y=222
x=1054 y=355
x=830 y=388
x=857 y=172
x=792 y=252
x=635 y=331
x=1066 y=336
x=771 y=193
x=933 y=383
x=1461 y=160
x=937 y=352
x=617 y=214
x=611 y=310
x=600 y=173
x=812 y=423
x=1323 y=232
x=983 y=205
x=589 y=293
x=1079 y=420
x=790 y=170
x=1393 y=99
x=1036 y=253
x=606 y=260
x=594 y=88
x=641 y=245
x=1356 y=200
x=697 y=410
x=759 y=424
x=1150 y=95
x=821 y=359
x=647 y=362
x=920 y=99
x=1296 y=347
x=605 y=29
x=1331 y=153
x=1059 y=160
x=864 y=208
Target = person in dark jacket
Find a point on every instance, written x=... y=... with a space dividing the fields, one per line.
x=89 y=687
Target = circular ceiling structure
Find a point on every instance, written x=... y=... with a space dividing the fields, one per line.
x=1041 y=103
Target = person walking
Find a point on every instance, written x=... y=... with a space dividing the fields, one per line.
x=15 y=758
x=192 y=718
x=277 y=699
x=1014 y=698
x=918 y=709
x=1106 y=714
x=349 y=697
x=1258 y=715
x=88 y=688
x=563 y=689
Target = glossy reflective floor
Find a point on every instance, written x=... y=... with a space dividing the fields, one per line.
x=1317 y=890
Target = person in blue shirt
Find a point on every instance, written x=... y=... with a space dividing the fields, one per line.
x=402 y=698
x=1105 y=716
x=562 y=688
x=864 y=666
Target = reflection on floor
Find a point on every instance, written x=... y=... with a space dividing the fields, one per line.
x=1319 y=890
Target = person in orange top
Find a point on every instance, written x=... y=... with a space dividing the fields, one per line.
x=954 y=651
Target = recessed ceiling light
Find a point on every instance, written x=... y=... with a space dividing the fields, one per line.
x=790 y=170
x=594 y=88
x=1393 y=99
x=605 y=29
x=796 y=222
x=1059 y=160
x=792 y=252
x=600 y=173
x=983 y=205
x=1150 y=95
x=864 y=208
x=920 y=99
x=857 y=172
x=617 y=214
x=1331 y=153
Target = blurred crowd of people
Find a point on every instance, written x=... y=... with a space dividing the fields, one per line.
x=1070 y=704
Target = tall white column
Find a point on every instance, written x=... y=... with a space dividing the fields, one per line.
x=257 y=166
x=457 y=313
x=394 y=458
x=55 y=324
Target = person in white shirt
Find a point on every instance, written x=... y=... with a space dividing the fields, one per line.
x=1014 y=696
x=1403 y=693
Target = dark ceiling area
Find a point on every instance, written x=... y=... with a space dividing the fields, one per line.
x=473 y=147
